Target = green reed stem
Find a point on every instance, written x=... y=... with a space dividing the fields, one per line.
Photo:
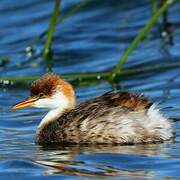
x=154 y=5
x=73 y=11
x=139 y=37
x=47 y=47
x=60 y=19
x=165 y=17
x=102 y=75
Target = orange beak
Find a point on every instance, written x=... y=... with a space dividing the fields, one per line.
x=25 y=103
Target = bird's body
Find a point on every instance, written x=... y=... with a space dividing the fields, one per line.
x=113 y=118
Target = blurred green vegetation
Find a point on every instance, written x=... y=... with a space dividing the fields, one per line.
x=117 y=72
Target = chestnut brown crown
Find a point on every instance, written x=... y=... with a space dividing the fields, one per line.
x=47 y=85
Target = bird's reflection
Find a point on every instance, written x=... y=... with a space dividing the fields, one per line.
x=72 y=160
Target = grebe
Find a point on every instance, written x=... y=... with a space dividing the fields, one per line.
x=114 y=118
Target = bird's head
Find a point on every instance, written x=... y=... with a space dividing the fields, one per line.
x=50 y=91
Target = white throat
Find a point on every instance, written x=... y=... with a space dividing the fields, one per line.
x=57 y=104
x=52 y=115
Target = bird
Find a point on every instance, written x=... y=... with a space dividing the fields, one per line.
x=120 y=117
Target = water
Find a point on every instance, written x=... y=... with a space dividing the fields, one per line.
x=93 y=39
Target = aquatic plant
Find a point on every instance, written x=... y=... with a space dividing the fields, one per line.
x=47 y=46
x=117 y=70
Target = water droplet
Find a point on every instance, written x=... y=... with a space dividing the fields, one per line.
x=98 y=76
x=29 y=51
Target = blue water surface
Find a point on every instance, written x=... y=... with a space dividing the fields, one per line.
x=91 y=40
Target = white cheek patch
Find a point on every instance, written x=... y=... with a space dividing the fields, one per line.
x=58 y=100
x=44 y=103
x=57 y=103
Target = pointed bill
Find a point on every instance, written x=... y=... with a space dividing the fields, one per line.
x=25 y=103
